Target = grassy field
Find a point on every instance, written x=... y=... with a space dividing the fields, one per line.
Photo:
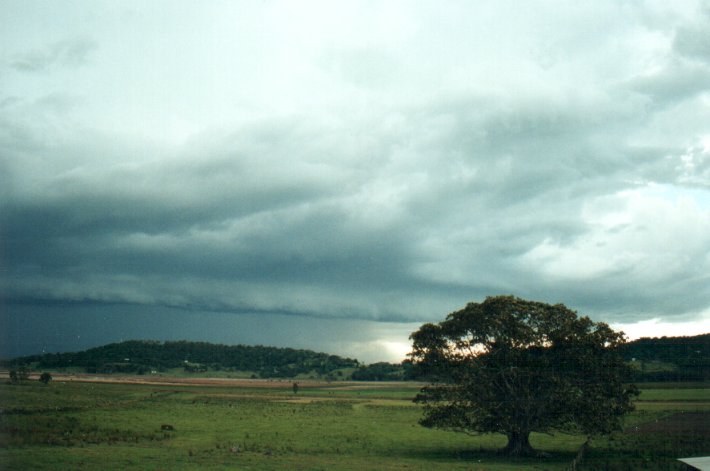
x=264 y=425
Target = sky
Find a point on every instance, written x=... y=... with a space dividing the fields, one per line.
x=331 y=175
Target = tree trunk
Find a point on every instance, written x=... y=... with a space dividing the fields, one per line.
x=518 y=444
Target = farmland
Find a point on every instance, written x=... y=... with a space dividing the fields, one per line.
x=109 y=422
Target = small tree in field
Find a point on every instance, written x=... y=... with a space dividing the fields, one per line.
x=514 y=367
x=19 y=375
x=45 y=378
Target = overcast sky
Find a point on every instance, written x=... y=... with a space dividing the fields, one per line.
x=329 y=175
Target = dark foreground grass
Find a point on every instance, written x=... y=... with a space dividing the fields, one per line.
x=117 y=426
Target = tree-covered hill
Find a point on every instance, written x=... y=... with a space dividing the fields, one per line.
x=670 y=358
x=140 y=356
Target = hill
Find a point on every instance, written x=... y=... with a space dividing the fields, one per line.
x=670 y=358
x=141 y=356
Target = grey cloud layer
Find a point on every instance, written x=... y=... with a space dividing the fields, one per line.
x=246 y=226
x=68 y=53
x=560 y=190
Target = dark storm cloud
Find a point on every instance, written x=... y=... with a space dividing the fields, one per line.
x=237 y=213
x=278 y=217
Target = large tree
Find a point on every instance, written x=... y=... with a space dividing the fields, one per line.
x=513 y=366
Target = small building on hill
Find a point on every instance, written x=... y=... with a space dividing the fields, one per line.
x=697 y=464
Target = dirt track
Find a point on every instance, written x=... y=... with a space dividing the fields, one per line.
x=226 y=382
x=165 y=380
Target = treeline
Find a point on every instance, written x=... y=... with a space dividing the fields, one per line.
x=383 y=371
x=664 y=359
x=670 y=358
x=139 y=356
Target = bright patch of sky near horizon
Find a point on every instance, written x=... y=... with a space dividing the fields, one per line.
x=383 y=162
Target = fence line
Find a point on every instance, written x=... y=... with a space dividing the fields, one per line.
x=580 y=455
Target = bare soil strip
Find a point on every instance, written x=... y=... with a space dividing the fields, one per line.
x=680 y=423
x=225 y=382
x=175 y=381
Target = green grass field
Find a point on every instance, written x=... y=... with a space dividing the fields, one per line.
x=264 y=425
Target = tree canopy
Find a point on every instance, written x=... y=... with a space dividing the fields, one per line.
x=513 y=366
